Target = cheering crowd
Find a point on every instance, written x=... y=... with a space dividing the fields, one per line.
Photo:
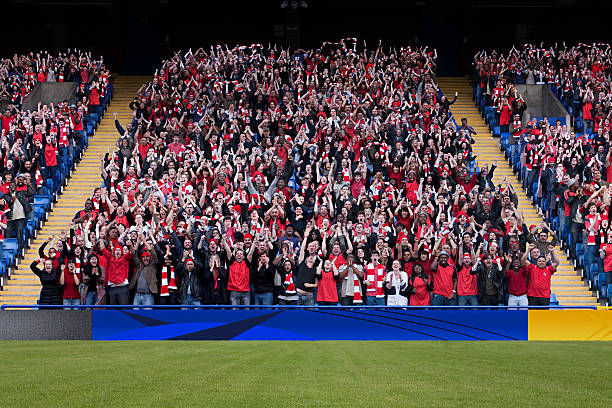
x=571 y=170
x=261 y=175
x=44 y=143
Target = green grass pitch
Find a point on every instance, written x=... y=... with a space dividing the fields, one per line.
x=295 y=374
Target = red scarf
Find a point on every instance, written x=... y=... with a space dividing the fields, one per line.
x=290 y=286
x=376 y=275
x=165 y=285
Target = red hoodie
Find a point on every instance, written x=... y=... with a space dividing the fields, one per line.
x=118 y=268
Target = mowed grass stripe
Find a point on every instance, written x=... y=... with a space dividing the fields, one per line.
x=292 y=374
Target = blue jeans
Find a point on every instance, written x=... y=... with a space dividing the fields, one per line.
x=143 y=299
x=265 y=298
x=468 y=300
x=375 y=301
x=240 y=298
x=70 y=302
x=191 y=301
x=439 y=300
x=14 y=229
x=91 y=298
x=306 y=300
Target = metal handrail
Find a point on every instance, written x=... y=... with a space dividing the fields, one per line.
x=293 y=307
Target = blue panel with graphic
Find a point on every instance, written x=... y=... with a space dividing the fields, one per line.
x=310 y=324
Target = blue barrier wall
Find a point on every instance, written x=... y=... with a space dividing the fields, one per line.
x=310 y=324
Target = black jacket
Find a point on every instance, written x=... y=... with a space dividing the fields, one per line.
x=497 y=278
x=195 y=279
x=51 y=292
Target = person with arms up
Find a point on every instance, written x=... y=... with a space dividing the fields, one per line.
x=238 y=269
x=540 y=274
x=51 y=292
x=306 y=280
x=445 y=281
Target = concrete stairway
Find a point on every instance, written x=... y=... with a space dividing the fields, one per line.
x=24 y=287
x=567 y=285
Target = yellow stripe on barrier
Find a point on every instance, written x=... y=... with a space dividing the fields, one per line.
x=570 y=325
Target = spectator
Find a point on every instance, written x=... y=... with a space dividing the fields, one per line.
x=70 y=279
x=539 y=274
x=51 y=292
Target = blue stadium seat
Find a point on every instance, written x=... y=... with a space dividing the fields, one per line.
x=553 y=299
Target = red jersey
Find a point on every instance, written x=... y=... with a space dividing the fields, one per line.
x=467 y=283
x=443 y=280
x=517 y=281
x=238 y=277
x=539 y=281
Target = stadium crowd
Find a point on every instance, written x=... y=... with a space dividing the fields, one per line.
x=570 y=170
x=260 y=175
x=37 y=145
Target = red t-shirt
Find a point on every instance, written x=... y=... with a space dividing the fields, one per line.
x=467 y=284
x=421 y=295
x=539 y=281
x=443 y=280
x=327 y=291
x=238 y=277
x=50 y=155
x=517 y=281
x=71 y=290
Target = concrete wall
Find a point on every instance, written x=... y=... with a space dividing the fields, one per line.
x=45 y=325
x=541 y=102
x=47 y=92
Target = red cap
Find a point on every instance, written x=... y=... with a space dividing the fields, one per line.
x=145 y=253
x=189 y=259
x=248 y=236
x=227 y=137
x=462 y=213
x=237 y=208
x=213 y=240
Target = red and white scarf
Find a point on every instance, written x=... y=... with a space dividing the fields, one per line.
x=356 y=289
x=376 y=275
x=290 y=286
x=165 y=284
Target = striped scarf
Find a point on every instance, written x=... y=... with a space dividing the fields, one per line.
x=375 y=275
x=165 y=284
x=289 y=285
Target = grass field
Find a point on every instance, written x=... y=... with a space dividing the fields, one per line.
x=320 y=374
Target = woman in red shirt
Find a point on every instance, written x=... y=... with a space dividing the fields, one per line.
x=71 y=279
x=327 y=294
x=419 y=286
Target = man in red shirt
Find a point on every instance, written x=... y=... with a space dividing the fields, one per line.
x=538 y=290
x=467 y=281
x=516 y=276
x=445 y=281
x=238 y=283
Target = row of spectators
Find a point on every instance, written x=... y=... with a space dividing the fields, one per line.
x=45 y=143
x=569 y=171
x=263 y=175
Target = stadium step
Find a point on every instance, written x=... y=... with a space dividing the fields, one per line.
x=24 y=286
x=566 y=284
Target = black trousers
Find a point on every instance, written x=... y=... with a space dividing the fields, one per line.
x=538 y=301
x=171 y=299
x=489 y=300
x=346 y=301
x=118 y=295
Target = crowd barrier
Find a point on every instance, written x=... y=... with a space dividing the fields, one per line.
x=559 y=323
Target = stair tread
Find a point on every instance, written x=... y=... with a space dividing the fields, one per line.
x=566 y=280
x=24 y=286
